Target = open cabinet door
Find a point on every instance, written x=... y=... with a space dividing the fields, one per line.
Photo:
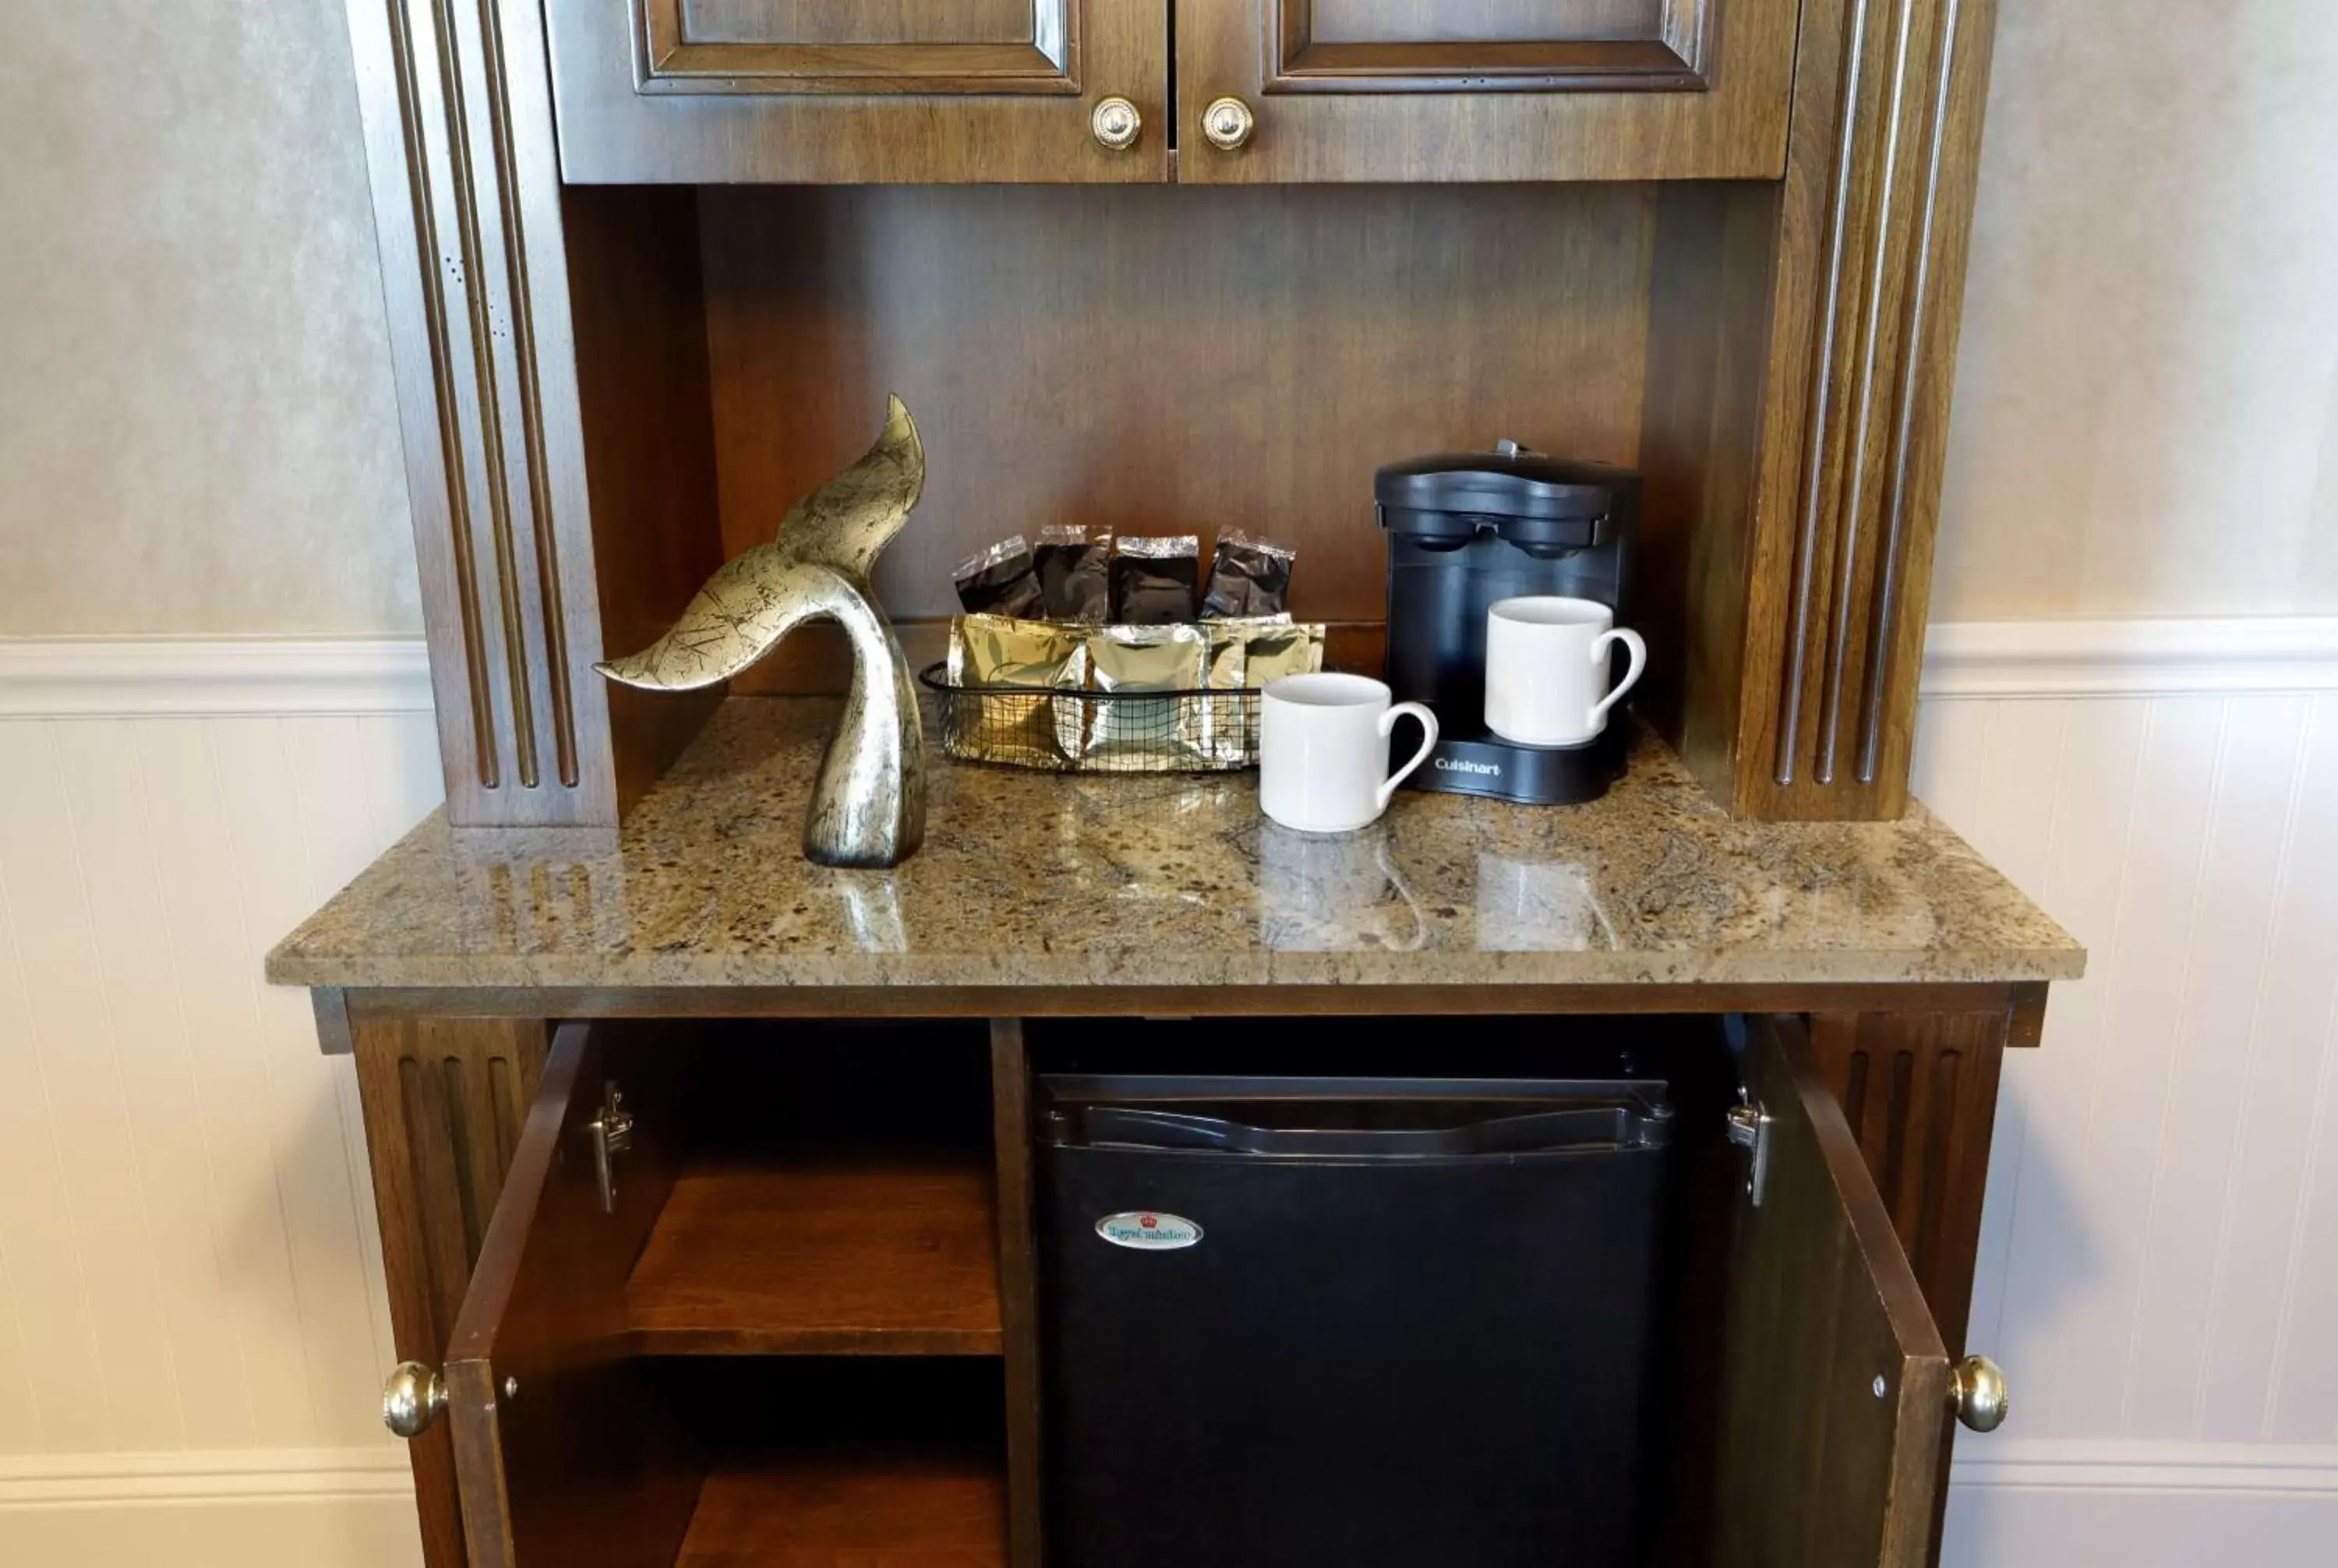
x=562 y=1452
x=1835 y=1384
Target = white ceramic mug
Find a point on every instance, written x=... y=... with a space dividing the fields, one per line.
x=1323 y=751
x=1546 y=669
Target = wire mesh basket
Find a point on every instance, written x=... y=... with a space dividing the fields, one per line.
x=1080 y=731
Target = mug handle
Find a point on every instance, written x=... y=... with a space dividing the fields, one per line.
x=1428 y=744
x=1638 y=667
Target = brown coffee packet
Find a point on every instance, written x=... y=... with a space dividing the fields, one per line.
x=1003 y=658
x=1248 y=577
x=1075 y=570
x=1000 y=580
x=1153 y=579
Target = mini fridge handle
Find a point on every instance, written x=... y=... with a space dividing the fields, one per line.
x=1590 y=1128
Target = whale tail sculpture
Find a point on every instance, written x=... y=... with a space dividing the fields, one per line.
x=868 y=806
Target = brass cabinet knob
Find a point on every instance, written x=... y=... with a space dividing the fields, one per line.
x=1977 y=1393
x=1116 y=125
x=1228 y=122
x=411 y=1400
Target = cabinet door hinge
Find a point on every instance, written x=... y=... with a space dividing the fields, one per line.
x=1749 y=1129
x=612 y=1134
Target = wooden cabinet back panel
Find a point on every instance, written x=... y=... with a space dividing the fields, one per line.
x=1069 y=353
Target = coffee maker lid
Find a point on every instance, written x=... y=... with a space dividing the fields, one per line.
x=1509 y=482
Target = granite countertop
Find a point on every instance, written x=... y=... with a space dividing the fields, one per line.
x=1040 y=880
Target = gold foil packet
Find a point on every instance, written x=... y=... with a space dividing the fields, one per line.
x=1037 y=656
x=1130 y=734
x=1230 y=722
x=1273 y=651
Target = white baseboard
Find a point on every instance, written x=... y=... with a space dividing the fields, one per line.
x=195 y=677
x=2138 y=1530
x=2048 y=1463
x=240 y=1475
x=236 y=1508
x=2040 y=1503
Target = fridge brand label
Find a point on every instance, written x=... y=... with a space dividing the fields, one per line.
x=1143 y=1230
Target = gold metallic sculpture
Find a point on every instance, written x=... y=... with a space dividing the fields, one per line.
x=869 y=807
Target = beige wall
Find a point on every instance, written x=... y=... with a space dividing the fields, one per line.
x=197 y=435
x=196 y=426
x=2147 y=415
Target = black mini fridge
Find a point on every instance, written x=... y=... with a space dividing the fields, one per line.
x=1338 y=1323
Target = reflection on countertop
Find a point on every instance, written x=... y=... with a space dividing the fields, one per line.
x=1031 y=879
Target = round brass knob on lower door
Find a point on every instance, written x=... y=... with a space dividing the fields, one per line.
x=1116 y=125
x=1227 y=124
x=411 y=1400
x=1977 y=1392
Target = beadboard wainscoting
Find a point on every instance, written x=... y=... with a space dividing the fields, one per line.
x=2159 y=1259
x=192 y=1321
x=191 y=1325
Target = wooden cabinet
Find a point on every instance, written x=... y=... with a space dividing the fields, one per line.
x=747 y=1311
x=766 y=1294
x=706 y=92
x=652 y=269
x=1487 y=89
x=732 y=91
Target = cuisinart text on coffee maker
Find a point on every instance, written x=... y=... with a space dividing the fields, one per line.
x=1465 y=530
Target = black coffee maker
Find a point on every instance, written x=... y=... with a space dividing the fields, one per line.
x=1465 y=530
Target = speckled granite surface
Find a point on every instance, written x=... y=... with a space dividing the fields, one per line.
x=1035 y=879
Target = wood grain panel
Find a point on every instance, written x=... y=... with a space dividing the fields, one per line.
x=1700 y=431
x=857 y=21
x=467 y=204
x=871 y=1509
x=1875 y=224
x=735 y=47
x=1919 y=1094
x=1571 y=105
x=643 y=99
x=644 y=416
x=1018 y=1289
x=443 y=1100
x=891 y=1256
x=1068 y=353
x=1170 y=1001
x=1836 y=1379
x=562 y=1452
x=1488 y=46
x=1505 y=21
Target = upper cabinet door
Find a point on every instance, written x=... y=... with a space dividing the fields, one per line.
x=1835 y=1387
x=710 y=92
x=1439 y=90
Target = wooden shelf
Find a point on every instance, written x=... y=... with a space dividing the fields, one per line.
x=864 y=1510
x=869 y=1255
